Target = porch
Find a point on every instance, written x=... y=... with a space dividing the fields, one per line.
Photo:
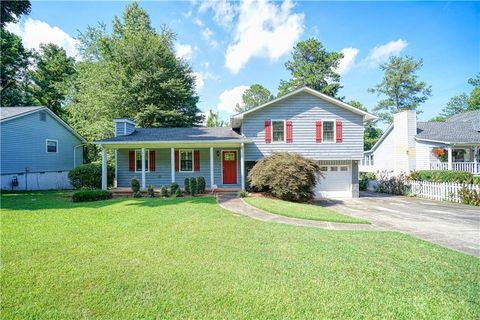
x=462 y=158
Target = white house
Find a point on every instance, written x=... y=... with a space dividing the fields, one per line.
x=408 y=145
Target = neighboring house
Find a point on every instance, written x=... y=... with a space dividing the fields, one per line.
x=304 y=121
x=408 y=145
x=37 y=150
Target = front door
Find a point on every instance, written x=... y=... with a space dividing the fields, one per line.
x=229 y=163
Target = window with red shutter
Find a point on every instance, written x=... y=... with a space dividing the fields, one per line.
x=338 y=124
x=151 y=161
x=289 y=131
x=196 y=160
x=131 y=160
x=268 y=131
x=318 y=131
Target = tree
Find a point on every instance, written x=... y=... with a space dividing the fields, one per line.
x=371 y=133
x=132 y=72
x=10 y=11
x=400 y=87
x=313 y=66
x=457 y=104
x=474 y=100
x=437 y=119
x=254 y=96
x=50 y=77
x=213 y=120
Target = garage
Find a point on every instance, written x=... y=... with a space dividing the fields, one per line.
x=336 y=181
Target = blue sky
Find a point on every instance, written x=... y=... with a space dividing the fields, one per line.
x=232 y=45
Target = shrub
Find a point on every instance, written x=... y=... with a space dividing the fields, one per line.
x=193 y=186
x=201 y=185
x=135 y=185
x=364 y=178
x=286 y=176
x=178 y=193
x=441 y=176
x=388 y=183
x=151 y=191
x=173 y=188
x=90 y=176
x=476 y=180
x=243 y=194
x=137 y=194
x=163 y=191
x=186 y=184
x=91 y=195
x=471 y=197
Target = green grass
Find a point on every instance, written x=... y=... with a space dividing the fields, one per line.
x=190 y=259
x=300 y=210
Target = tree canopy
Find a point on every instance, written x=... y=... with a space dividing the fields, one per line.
x=10 y=11
x=254 y=96
x=371 y=133
x=313 y=66
x=213 y=120
x=400 y=87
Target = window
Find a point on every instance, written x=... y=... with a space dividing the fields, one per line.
x=52 y=146
x=186 y=160
x=138 y=160
x=229 y=156
x=278 y=131
x=333 y=168
x=343 y=168
x=325 y=168
x=328 y=131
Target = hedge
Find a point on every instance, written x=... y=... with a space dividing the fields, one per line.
x=443 y=176
x=90 y=176
x=91 y=195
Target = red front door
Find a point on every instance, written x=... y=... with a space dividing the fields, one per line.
x=229 y=163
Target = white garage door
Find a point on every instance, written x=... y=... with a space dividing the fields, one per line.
x=336 y=182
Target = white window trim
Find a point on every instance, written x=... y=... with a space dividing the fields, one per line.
x=284 y=130
x=147 y=155
x=334 y=131
x=180 y=160
x=46 y=145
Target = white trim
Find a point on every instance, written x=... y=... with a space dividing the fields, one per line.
x=115 y=180
x=236 y=164
x=147 y=152
x=334 y=131
x=52 y=140
x=210 y=142
x=180 y=160
x=367 y=116
x=212 y=169
x=242 y=166
x=143 y=166
x=104 y=169
x=172 y=163
x=284 y=130
x=124 y=128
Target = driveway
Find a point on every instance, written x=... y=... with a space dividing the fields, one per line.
x=451 y=225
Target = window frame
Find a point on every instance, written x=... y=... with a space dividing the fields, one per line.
x=284 y=130
x=147 y=155
x=334 y=140
x=180 y=160
x=46 y=145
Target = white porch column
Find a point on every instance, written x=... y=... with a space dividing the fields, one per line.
x=212 y=180
x=475 y=160
x=172 y=163
x=143 y=169
x=242 y=165
x=450 y=156
x=115 y=180
x=104 y=169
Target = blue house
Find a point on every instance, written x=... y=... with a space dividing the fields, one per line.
x=37 y=149
x=304 y=121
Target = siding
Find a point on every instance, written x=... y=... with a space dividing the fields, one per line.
x=383 y=156
x=304 y=109
x=162 y=174
x=23 y=145
x=424 y=155
x=123 y=128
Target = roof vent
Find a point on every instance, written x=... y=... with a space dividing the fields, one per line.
x=124 y=127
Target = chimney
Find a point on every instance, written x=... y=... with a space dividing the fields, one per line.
x=123 y=127
x=405 y=129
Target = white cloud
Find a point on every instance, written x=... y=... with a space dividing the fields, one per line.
x=223 y=11
x=198 y=22
x=184 y=51
x=207 y=34
x=199 y=80
x=263 y=30
x=35 y=32
x=348 y=60
x=230 y=98
x=381 y=53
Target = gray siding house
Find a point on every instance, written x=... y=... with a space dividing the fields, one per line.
x=304 y=121
x=37 y=149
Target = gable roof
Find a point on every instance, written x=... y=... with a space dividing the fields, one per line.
x=10 y=113
x=196 y=134
x=367 y=116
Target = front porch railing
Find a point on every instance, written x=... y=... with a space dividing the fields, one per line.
x=471 y=167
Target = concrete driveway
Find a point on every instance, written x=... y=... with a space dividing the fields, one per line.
x=451 y=225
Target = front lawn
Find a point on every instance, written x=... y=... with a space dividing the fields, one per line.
x=300 y=210
x=190 y=259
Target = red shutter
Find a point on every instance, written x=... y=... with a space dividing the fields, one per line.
x=151 y=160
x=131 y=160
x=338 y=123
x=177 y=159
x=318 y=131
x=196 y=160
x=289 y=131
x=268 y=131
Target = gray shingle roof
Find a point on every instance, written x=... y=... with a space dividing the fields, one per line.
x=8 y=112
x=461 y=128
x=178 y=134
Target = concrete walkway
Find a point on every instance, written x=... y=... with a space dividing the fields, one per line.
x=231 y=202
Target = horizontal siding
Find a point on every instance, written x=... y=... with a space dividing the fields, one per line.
x=122 y=128
x=23 y=145
x=162 y=174
x=304 y=110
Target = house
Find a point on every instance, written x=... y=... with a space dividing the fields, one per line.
x=408 y=145
x=304 y=121
x=37 y=149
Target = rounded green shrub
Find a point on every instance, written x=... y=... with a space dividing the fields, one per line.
x=173 y=188
x=178 y=193
x=137 y=194
x=186 y=184
x=135 y=184
x=90 y=176
x=193 y=186
x=201 y=185
x=91 y=195
x=163 y=191
x=151 y=191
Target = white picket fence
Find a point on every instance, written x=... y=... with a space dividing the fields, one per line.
x=444 y=191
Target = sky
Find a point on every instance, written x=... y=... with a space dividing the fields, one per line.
x=232 y=45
